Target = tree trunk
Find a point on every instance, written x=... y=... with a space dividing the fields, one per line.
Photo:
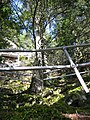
x=37 y=79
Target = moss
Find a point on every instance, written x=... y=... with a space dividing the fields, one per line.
x=47 y=105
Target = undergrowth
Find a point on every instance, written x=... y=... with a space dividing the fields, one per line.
x=49 y=104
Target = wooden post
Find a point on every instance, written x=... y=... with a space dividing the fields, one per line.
x=76 y=71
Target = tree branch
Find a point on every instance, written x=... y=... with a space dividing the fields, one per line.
x=33 y=22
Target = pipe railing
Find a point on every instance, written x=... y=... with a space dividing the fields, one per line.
x=14 y=68
x=43 y=50
x=64 y=48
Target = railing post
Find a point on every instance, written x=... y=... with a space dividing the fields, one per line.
x=76 y=71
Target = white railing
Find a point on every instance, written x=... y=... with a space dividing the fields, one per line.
x=64 y=48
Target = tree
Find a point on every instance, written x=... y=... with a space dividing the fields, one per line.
x=61 y=22
x=66 y=20
x=4 y=14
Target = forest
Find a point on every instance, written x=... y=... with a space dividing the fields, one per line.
x=44 y=59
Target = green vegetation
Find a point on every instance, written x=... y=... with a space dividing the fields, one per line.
x=49 y=104
x=40 y=24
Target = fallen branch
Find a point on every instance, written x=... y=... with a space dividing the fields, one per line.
x=77 y=116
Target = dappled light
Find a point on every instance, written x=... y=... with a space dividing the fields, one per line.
x=44 y=60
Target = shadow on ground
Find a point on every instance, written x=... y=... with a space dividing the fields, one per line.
x=44 y=106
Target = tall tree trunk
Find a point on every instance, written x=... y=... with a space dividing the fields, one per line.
x=37 y=79
x=38 y=32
